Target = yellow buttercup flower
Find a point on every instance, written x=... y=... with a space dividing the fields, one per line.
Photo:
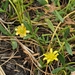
x=21 y=30
x=51 y=56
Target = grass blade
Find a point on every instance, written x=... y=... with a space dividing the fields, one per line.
x=68 y=48
x=50 y=25
x=58 y=16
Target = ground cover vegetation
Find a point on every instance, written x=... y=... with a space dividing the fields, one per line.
x=37 y=37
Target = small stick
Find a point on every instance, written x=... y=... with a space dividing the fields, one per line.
x=6 y=22
x=26 y=50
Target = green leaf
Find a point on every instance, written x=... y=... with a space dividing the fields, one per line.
x=42 y=63
x=28 y=36
x=27 y=22
x=3 y=30
x=66 y=32
x=71 y=68
x=5 y=5
x=14 y=44
x=1 y=10
x=43 y=2
x=57 y=70
x=68 y=48
x=57 y=3
x=58 y=16
x=28 y=26
x=36 y=29
x=50 y=25
x=61 y=58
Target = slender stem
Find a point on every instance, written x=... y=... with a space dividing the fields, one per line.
x=70 y=63
x=17 y=10
x=14 y=7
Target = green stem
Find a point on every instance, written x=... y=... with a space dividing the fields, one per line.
x=31 y=1
x=70 y=63
x=15 y=10
x=19 y=9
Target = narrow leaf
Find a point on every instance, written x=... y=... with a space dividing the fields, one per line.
x=14 y=44
x=3 y=30
x=61 y=58
x=28 y=36
x=66 y=32
x=58 y=16
x=5 y=4
x=71 y=68
x=50 y=25
x=42 y=63
x=43 y=2
x=28 y=26
x=57 y=70
x=68 y=48
x=1 y=10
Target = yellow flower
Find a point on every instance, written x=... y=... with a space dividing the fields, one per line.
x=21 y=30
x=51 y=56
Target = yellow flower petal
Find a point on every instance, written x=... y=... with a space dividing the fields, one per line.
x=27 y=31
x=17 y=33
x=44 y=58
x=55 y=52
x=50 y=56
x=21 y=30
x=56 y=59
x=48 y=61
